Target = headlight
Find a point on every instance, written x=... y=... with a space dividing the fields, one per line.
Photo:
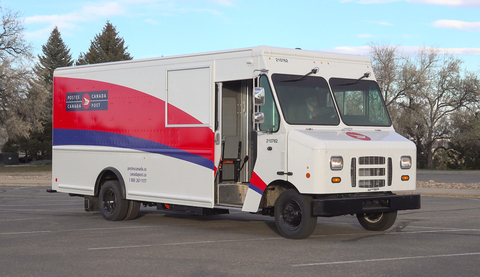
x=405 y=162
x=336 y=163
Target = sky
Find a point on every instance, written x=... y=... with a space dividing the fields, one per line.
x=154 y=28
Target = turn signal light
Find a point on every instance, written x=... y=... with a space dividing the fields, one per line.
x=336 y=180
x=405 y=177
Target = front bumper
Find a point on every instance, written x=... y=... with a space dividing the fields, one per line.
x=360 y=205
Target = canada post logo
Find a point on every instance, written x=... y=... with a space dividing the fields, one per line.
x=87 y=101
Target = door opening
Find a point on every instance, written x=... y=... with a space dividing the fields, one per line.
x=235 y=166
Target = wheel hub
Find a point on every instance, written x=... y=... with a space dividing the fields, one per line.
x=109 y=201
x=292 y=215
x=373 y=218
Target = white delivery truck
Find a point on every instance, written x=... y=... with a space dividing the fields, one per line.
x=288 y=133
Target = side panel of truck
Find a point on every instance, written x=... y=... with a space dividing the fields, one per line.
x=162 y=151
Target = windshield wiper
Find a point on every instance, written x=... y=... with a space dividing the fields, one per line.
x=313 y=71
x=365 y=75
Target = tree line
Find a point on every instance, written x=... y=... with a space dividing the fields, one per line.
x=434 y=103
x=431 y=99
x=26 y=90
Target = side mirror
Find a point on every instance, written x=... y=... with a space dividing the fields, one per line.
x=259 y=96
x=259 y=118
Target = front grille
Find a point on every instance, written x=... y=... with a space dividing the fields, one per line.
x=371 y=172
x=371 y=160
x=371 y=183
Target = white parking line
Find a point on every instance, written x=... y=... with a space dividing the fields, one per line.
x=24 y=210
x=120 y=247
x=26 y=233
x=37 y=205
x=22 y=219
x=182 y=243
x=387 y=259
x=439 y=230
x=427 y=227
x=75 y=230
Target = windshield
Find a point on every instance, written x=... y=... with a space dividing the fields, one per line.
x=360 y=102
x=305 y=100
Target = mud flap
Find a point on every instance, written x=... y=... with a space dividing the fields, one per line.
x=252 y=201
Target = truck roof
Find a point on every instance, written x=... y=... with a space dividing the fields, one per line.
x=249 y=51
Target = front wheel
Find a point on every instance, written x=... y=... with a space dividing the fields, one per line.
x=377 y=221
x=293 y=215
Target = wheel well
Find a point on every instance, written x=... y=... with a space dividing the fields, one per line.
x=109 y=174
x=273 y=191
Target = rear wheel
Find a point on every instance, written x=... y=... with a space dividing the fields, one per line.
x=293 y=215
x=377 y=221
x=111 y=202
x=133 y=210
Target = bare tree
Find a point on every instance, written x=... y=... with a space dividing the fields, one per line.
x=12 y=91
x=12 y=41
x=464 y=141
x=424 y=91
x=21 y=98
x=385 y=67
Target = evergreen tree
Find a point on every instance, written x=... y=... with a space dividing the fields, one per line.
x=35 y=138
x=55 y=54
x=106 y=47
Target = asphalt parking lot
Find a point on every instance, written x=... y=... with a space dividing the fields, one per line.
x=44 y=234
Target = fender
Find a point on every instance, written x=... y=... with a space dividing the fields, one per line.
x=254 y=194
x=110 y=173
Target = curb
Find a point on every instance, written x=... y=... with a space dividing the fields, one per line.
x=466 y=193
x=25 y=182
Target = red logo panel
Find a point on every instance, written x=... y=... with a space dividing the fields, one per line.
x=86 y=101
x=358 y=136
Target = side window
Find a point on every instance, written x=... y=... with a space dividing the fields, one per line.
x=272 y=120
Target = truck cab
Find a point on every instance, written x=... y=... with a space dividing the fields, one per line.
x=326 y=146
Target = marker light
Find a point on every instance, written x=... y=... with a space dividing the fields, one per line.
x=405 y=162
x=336 y=180
x=405 y=177
x=336 y=163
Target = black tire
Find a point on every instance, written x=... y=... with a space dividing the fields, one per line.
x=377 y=221
x=133 y=210
x=293 y=215
x=111 y=202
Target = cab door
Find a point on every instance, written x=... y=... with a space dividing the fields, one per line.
x=271 y=140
